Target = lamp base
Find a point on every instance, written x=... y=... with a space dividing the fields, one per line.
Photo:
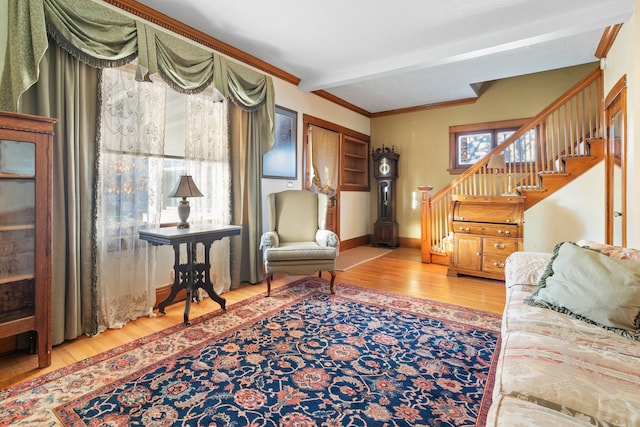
x=183 y=213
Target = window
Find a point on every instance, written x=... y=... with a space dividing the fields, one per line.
x=152 y=135
x=470 y=143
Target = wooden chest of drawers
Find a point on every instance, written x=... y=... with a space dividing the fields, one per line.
x=486 y=230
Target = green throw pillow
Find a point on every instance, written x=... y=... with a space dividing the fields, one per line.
x=593 y=287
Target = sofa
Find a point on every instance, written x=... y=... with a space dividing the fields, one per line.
x=558 y=367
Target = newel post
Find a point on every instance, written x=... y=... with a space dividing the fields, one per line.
x=425 y=222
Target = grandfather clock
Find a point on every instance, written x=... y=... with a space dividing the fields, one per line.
x=385 y=170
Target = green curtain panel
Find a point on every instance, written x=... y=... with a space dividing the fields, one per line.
x=103 y=37
x=74 y=165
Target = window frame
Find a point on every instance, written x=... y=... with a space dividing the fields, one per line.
x=492 y=128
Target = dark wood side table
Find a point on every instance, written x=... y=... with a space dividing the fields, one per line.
x=193 y=274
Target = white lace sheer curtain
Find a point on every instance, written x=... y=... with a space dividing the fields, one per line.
x=131 y=145
x=130 y=193
x=207 y=155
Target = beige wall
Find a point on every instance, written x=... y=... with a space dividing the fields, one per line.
x=422 y=138
x=623 y=59
x=572 y=213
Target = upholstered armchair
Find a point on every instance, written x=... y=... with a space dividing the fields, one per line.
x=297 y=243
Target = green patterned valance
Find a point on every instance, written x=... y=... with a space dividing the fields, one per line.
x=103 y=37
x=98 y=36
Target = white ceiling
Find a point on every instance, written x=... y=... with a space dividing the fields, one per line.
x=384 y=55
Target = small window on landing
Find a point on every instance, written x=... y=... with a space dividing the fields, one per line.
x=470 y=143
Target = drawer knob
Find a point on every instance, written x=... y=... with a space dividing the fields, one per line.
x=478 y=253
x=464 y=229
x=498 y=264
x=499 y=245
x=505 y=232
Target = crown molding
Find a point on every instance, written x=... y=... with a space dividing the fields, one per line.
x=326 y=95
x=607 y=39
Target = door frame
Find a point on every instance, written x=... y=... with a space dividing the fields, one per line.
x=615 y=101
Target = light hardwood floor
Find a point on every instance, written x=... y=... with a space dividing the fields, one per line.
x=400 y=271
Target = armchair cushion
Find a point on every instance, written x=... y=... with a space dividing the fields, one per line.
x=309 y=253
x=296 y=215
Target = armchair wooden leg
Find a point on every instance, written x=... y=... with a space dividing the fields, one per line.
x=333 y=279
x=269 y=277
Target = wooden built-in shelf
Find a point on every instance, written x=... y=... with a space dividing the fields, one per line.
x=355 y=164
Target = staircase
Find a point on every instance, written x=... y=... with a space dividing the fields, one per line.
x=572 y=166
x=559 y=144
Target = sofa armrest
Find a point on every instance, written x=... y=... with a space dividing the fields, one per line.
x=525 y=268
x=270 y=239
x=328 y=238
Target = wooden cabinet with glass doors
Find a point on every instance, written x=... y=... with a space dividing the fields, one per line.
x=25 y=229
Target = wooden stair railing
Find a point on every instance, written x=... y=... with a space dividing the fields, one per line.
x=556 y=146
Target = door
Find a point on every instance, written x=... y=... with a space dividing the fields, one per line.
x=615 y=165
x=467 y=252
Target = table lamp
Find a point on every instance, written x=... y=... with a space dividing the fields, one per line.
x=185 y=188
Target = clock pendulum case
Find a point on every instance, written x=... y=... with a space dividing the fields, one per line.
x=385 y=171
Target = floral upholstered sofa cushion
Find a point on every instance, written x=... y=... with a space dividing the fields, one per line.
x=558 y=370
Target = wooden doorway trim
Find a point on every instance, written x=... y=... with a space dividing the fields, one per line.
x=616 y=155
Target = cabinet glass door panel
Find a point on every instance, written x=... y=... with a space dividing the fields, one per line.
x=17 y=202
x=17 y=278
x=17 y=158
x=17 y=229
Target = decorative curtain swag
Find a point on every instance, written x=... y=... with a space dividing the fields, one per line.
x=103 y=37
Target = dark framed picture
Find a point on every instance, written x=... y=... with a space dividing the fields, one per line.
x=281 y=161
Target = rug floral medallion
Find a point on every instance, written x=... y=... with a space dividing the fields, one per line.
x=300 y=358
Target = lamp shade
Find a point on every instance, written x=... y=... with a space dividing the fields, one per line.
x=186 y=188
x=496 y=162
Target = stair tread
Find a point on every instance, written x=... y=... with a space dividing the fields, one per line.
x=535 y=189
x=552 y=173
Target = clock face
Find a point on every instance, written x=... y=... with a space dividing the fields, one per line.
x=384 y=167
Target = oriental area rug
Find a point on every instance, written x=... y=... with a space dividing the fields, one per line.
x=302 y=357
